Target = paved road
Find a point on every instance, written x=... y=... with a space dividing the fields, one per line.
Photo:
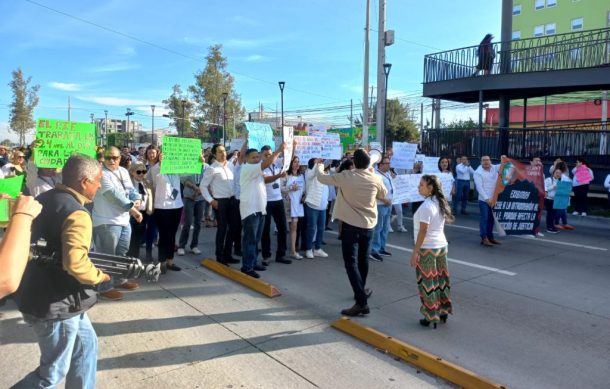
x=534 y=312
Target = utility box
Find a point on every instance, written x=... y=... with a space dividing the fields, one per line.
x=389 y=37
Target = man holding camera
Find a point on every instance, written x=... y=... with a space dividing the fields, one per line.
x=54 y=297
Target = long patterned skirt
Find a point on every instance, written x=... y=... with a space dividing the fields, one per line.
x=433 y=283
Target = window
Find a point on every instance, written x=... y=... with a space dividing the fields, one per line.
x=577 y=24
x=550 y=29
x=517 y=9
x=516 y=35
x=551 y=3
x=538 y=31
x=539 y=4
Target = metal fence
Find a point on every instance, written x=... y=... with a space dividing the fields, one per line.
x=573 y=50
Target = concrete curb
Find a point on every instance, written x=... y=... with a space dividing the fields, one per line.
x=237 y=276
x=415 y=356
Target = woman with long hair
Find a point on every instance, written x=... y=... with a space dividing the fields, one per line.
x=293 y=187
x=444 y=166
x=429 y=256
x=16 y=166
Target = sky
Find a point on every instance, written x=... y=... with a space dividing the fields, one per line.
x=115 y=54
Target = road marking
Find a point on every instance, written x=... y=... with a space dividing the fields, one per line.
x=464 y=263
x=582 y=246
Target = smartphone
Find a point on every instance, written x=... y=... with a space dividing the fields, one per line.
x=174 y=194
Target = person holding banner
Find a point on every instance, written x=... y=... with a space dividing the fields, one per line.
x=582 y=176
x=485 y=178
x=550 y=187
x=463 y=172
x=429 y=256
x=561 y=215
x=356 y=207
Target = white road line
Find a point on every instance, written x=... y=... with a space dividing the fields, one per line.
x=583 y=246
x=470 y=264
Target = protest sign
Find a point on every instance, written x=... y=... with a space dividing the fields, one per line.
x=583 y=175
x=236 y=144
x=11 y=186
x=406 y=188
x=376 y=146
x=430 y=164
x=331 y=146
x=288 y=135
x=447 y=184
x=308 y=147
x=59 y=139
x=4 y=210
x=519 y=196
x=404 y=155
x=562 y=195
x=259 y=135
x=181 y=155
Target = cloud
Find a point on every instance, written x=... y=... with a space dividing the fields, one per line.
x=159 y=110
x=126 y=51
x=245 y=21
x=249 y=43
x=118 y=101
x=257 y=58
x=120 y=67
x=68 y=87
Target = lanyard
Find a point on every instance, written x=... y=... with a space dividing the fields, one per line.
x=389 y=180
x=118 y=177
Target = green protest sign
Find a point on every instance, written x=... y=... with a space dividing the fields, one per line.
x=11 y=186
x=181 y=155
x=4 y=210
x=59 y=139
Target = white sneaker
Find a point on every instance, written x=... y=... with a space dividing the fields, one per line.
x=319 y=253
x=402 y=229
x=390 y=229
x=309 y=254
x=181 y=252
x=297 y=256
x=574 y=213
x=540 y=234
x=195 y=250
x=584 y=214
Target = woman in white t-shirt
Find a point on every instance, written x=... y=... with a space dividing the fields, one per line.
x=430 y=252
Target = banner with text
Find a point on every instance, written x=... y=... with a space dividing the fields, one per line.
x=406 y=189
x=307 y=147
x=288 y=135
x=519 y=197
x=331 y=146
x=404 y=155
x=181 y=155
x=59 y=139
x=259 y=135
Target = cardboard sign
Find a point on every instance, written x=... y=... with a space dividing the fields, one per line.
x=59 y=139
x=562 y=195
x=181 y=155
x=11 y=186
x=447 y=183
x=308 y=147
x=331 y=146
x=259 y=135
x=236 y=144
x=406 y=189
x=431 y=165
x=404 y=155
x=288 y=135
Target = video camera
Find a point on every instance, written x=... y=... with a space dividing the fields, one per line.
x=124 y=267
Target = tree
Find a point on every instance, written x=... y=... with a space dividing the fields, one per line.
x=180 y=109
x=400 y=127
x=460 y=124
x=6 y=142
x=210 y=85
x=25 y=99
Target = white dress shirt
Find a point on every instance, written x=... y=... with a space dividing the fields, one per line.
x=217 y=179
x=463 y=172
x=166 y=188
x=485 y=181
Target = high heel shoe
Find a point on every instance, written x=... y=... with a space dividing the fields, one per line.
x=444 y=318
x=426 y=323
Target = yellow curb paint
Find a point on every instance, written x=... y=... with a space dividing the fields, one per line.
x=237 y=276
x=415 y=356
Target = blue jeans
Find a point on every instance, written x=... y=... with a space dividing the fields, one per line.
x=380 y=234
x=192 y=210
x=114 y=240
x=486 y=224
x=463 y=190
x=68 y=349
x=252 y=232
x=316 y=222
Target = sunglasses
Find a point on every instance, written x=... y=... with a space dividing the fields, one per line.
x=111 y=157
x=141 y=171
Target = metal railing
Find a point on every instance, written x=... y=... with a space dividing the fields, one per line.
x=575 y=50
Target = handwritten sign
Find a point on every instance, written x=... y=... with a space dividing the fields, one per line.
x=447 y=183
x=404 y=155
x=4 y=210
x=583 y=175
x=181 y=155
x=308 y=147
x=331 y=146
x=259 y=135
x=406 y=189
x=562 y=195
x=376 y=146
x=59 y=139
x=430 y=165
x=236 y=144
x=11 y=186
x=288 y=135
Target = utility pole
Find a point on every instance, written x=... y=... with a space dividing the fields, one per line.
x=438 y=113
x=380 y=73
x=365 y=99
x=433 y=111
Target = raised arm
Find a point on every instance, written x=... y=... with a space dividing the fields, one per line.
x=271 y=160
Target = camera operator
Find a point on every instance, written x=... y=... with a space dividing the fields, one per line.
x=54 y=297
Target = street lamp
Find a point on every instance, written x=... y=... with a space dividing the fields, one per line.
x=224 y=117
x=386 y=71
x=282 y=84
x=152 y=131
x=128 y=114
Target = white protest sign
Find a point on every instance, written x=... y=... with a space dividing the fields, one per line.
x=331 y=146
x=376 y=146
x=431 y=165
x=288 y=135
x=447 y=183
x=307 y=147
x=419 y=158
x=236 y=144
x=404 y=155
x=406 y=189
